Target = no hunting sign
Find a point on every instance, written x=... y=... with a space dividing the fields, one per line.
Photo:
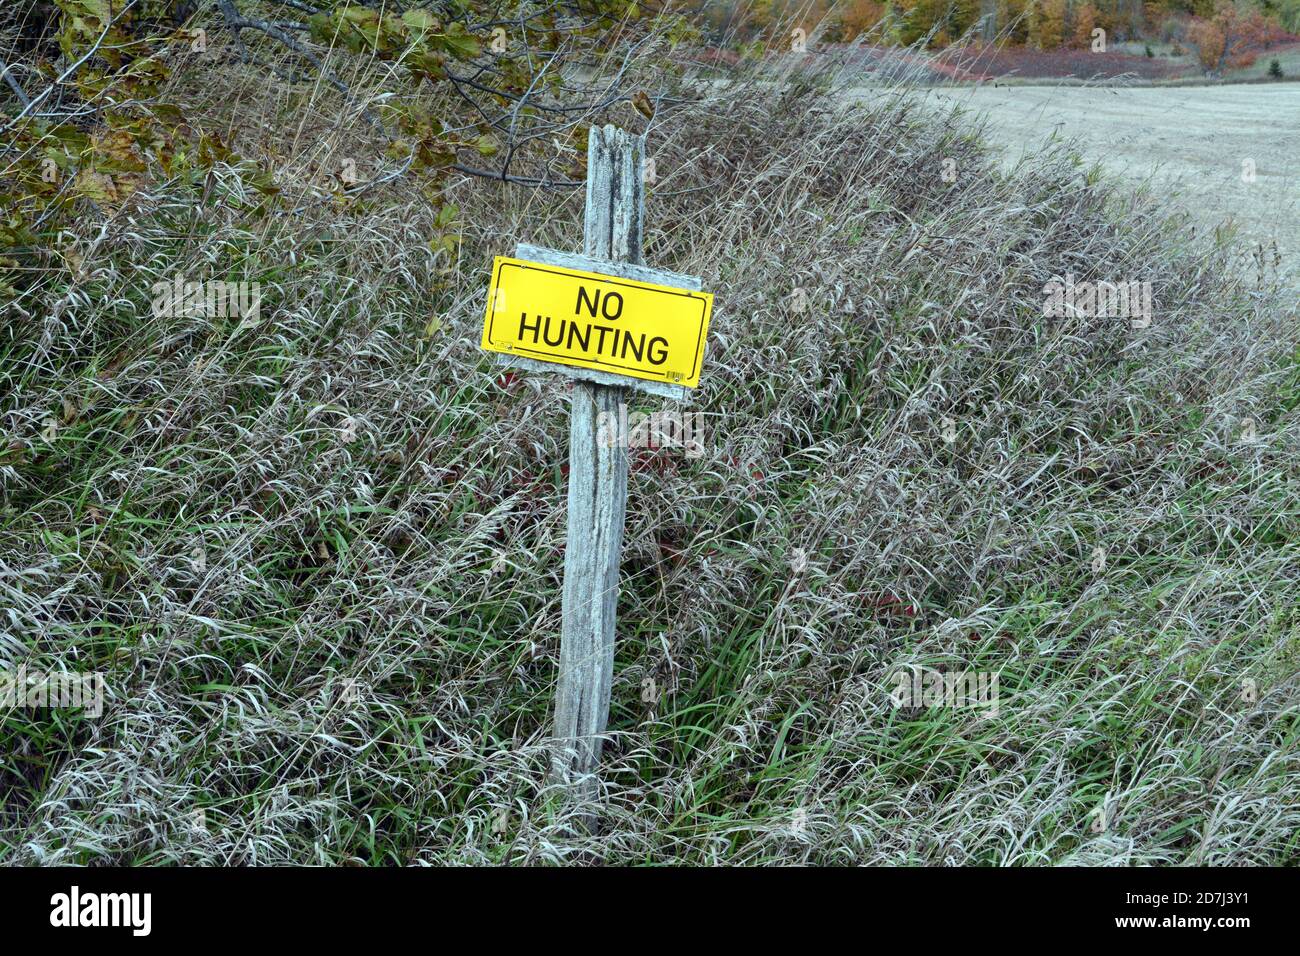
x=612 y=324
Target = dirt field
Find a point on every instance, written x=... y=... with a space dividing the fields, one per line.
x=1189 y=141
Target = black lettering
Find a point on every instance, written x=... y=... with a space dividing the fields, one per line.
x=638 y=349
x=663 y=353
x=604 y=307
x=546 y=335
x=585 y=336
x=591 y=303
x=523 y=324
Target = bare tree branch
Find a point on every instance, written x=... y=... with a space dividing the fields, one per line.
x=523 y=180
x=13 y=85
x=238 y=22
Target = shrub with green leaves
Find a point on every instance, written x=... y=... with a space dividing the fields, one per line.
x=92 y=116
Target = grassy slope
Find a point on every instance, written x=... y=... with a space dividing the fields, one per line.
x=204 y=527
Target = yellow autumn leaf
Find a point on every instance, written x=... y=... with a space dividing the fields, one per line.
x=643 y=104
x=96 y=186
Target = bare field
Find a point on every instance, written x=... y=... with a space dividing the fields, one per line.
x=1191 y=143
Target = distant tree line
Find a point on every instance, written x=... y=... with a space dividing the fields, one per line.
x=1224 y=33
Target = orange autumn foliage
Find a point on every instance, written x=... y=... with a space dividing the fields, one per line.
x=859 y=16
x=1085 y=21
x=1047 y=24
x=1229 y=39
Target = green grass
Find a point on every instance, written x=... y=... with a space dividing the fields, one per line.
x=203 y=529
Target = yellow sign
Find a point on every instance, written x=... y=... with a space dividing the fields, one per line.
x=595 y=321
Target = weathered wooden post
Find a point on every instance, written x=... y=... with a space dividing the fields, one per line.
x=661 y=319
x=597 y=478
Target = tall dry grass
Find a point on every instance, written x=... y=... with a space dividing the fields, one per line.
x=318 y=556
